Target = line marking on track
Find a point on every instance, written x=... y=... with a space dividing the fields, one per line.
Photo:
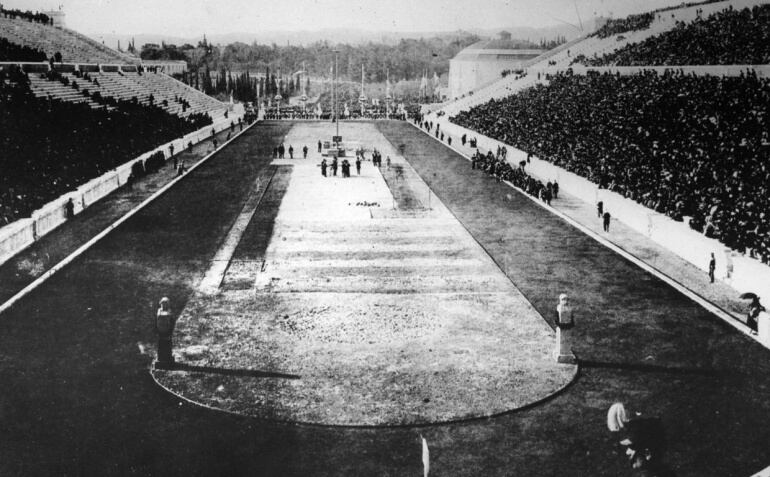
x=83 y=248
x=221 y=261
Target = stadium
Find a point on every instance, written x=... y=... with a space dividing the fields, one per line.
x=455 y=255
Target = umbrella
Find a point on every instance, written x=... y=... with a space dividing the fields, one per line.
x=748 y=296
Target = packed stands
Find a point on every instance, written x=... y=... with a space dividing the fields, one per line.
x=683 y=145
x=13 y=52
x=54 y=145
x=728 y=37
x=73 y=109
x=593 y=46
x=26 y=15
x=614 y=26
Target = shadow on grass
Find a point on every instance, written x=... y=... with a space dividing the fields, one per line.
x=254 y=373
x=649 y=368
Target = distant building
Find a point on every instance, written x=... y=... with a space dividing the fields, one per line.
x=484 y=62
x=169 y=67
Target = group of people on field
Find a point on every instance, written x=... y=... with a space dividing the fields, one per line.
x=279 y=151
x=344 y=165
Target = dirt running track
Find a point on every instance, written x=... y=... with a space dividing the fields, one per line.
x=76 y=397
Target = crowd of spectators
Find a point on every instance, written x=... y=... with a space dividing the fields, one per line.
x=26 y=15
x=641 y=21
x=51 y=147
x=13 y=52
x=729 y=37
x=683 y=145
x=614 y=26
x=496 y=165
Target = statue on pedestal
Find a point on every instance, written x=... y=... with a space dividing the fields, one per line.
x=565 y=322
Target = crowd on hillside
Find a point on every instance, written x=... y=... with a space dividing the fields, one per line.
x=13 y=52
x=51 y=147
x=729 y=37
x=683 y=145
x=26 y=15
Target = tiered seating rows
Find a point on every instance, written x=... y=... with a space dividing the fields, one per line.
x=73 y=46
x=126 y=86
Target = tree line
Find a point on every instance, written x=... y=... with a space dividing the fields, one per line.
x=408 y=59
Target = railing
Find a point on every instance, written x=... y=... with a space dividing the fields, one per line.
x=22 y=233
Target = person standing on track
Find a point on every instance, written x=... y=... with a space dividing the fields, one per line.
x=304 y=152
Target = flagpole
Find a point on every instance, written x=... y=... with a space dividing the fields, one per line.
x=336 y=71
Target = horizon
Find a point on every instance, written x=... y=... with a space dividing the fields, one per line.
x=192 y=19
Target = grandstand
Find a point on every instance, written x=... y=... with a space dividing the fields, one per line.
x=114 y=81
x=74 y=47
x=64 y=67
x=589 y=46
x=111 y=73
x=594 y=121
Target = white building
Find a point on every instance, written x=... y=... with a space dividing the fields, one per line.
x=484 y=62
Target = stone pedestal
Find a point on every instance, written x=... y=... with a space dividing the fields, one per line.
x=763 y=328
x=563 y=352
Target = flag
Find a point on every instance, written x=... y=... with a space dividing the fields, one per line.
x=425 y=457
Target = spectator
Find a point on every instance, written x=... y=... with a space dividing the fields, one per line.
x=755 y=308
x=69 y=209
x=640 y=434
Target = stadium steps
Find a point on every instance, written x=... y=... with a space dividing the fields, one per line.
x=127 y=86
x=79 y=49
x=43 y=88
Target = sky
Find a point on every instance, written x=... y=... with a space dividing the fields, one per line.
x=188 y=18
